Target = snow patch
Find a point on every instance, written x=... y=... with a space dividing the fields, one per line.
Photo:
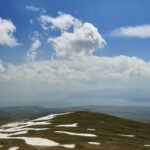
x=12 y=127
x=69 y=145
x=24 y=125
x=94 y=143
x=77 y=134
x=127 y=135
x=13 y=148
x=40 y=121
x=17 y=128
x=68 y=125
x=38 y=141
x=52 y=116
x=90 y=129
x=6 y=136
x=146 y=145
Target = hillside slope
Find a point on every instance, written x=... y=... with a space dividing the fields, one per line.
x=78 y=131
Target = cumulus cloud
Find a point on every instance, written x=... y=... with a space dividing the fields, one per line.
x=62 y=22
x=142 y=31
x=7 y=29
x=31 y=55
x=83 y=41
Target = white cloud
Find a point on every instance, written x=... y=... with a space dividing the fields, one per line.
x=7 y=29
x=76 y=39
x=32 y=8
x=35 y=9
x=36 y=44
x=89 y=68
x=35 y=35
x=54 y=80
x=83 y=41
x=88 y=77
x=142 y=31
x=31 y=55
x=1 y=66
x=62 y=22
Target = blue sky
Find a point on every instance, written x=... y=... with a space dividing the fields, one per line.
x=106 y=15
x=52 y=43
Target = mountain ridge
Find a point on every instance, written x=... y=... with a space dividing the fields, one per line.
x=9 y=114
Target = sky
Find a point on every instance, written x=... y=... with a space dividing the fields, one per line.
x=66 y=53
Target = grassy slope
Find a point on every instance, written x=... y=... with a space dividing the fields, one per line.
x=107 y=128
